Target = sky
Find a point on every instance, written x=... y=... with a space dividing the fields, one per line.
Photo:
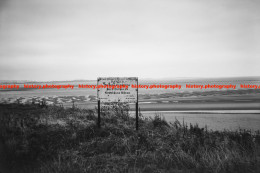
x=85 y=39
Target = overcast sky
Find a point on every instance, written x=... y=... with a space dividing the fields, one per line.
x=86 y=39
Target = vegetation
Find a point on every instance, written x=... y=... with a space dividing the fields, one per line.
x=37 y=138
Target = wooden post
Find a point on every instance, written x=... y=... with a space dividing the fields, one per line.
x=98 y=122
x=136 y=112
x=136 y=109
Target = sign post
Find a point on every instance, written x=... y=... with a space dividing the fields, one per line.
x=117 y=89
x=99 y=120
x=136 y=109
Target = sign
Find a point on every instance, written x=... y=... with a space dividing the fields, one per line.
x=117 y=89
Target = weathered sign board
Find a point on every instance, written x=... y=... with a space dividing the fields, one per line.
x=117 y=89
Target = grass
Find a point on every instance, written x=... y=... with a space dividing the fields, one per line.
x=53 y=139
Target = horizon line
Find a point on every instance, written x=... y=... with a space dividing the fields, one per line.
x=166 y=78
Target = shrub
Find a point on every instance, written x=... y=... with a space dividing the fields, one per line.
x=55 y=139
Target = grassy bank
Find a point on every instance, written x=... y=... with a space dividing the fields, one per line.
x=53 y=139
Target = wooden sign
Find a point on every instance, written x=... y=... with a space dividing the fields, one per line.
x=117 y=89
